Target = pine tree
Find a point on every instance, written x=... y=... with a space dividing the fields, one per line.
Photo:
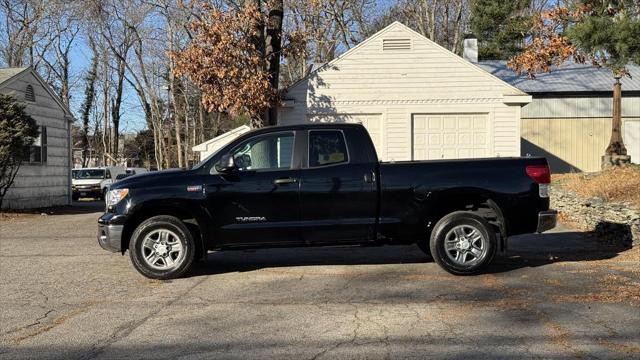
x=604 y=33
x=500 y=27
x=18 y=130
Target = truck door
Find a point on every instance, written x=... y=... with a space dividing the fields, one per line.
x=338 y=192
x=258 y=202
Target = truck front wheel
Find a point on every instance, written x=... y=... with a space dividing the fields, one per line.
x=462 y=243
x=162 y=247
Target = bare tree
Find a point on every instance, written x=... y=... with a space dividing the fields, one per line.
x=89 y=96
x=443 y=21
x=21 y=30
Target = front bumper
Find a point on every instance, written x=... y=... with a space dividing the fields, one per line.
x=87 y=192
x=110 y=228
x=110 y=237
x=547 y=220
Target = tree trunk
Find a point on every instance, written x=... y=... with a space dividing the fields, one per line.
x=273 y=50
x=89 y=95
x=115 y=107
x=616 y=145
x=172 y=94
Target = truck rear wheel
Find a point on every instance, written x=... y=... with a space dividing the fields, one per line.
x=162 y=247
x=463 y=243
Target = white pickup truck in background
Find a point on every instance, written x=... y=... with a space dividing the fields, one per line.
x=93 y=182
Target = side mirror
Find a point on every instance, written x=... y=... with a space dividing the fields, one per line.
x=226 y=164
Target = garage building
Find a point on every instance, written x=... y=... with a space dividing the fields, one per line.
x=418 y=100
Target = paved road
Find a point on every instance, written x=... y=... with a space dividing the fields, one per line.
x=557 y=295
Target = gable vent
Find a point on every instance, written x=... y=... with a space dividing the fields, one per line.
x=396 y=44
x=29 y=95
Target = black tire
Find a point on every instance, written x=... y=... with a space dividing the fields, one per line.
x=470 y=221
x=177 y=227
x=201 y=255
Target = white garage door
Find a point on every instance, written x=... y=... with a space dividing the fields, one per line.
x=450 y=136
x=372 y=122
x=632 y=140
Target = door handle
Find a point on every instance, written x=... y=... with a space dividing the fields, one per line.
x=370 y=178
x=284 y=181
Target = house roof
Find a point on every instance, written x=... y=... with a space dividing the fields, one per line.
x=315 y=68
x=204 y=146
x=8 y=74
x=569 y=78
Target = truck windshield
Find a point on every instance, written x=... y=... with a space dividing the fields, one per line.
x=90 y=174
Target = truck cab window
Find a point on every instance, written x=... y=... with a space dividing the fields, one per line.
x=266 y=152
x=327 y=148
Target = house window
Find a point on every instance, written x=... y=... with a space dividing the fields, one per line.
x=29 y=95
x=37 y=153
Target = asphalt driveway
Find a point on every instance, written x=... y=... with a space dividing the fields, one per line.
x=556 y=295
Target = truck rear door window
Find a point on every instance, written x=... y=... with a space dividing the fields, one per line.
x=327 y=147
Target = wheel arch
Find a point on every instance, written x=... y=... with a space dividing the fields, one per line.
x=187 y=213
x=482 y=203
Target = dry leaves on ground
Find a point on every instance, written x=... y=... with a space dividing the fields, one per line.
x=618 y=184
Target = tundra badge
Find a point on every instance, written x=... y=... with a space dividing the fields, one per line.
x=250 y=218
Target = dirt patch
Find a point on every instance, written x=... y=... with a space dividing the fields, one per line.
x=618 y=184
x=8 y=217
x=613 y=289
x=617 y=347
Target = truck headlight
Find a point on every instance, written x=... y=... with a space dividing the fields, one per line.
x=115 y=196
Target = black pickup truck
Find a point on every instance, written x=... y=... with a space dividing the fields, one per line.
x=322 y=184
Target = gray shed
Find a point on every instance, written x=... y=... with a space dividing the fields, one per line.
x=569 y=119
x=44 y=179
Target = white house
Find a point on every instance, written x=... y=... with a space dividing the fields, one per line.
x=418 y=100
x=44 y=179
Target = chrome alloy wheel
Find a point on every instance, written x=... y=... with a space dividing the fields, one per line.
x=465 y=245
x=162 y=249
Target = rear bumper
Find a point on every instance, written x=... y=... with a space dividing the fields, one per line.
x=547 y=220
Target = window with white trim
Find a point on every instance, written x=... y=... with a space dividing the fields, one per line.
x=37 y=152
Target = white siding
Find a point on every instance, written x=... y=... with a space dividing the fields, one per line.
x=395 y=84
x=298 y=113
x=41 y=185
x=579 y=107
x=506 y=125
x=574 y=131
x=631 y=132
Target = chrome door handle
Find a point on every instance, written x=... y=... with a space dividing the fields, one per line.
x=284 y=181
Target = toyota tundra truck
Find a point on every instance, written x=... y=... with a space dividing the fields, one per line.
x=322 y=185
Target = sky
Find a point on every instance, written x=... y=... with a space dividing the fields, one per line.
x=132 y=115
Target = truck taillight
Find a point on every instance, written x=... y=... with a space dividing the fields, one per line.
x=539 y=173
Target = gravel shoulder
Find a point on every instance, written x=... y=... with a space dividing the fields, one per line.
x=556 y=295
